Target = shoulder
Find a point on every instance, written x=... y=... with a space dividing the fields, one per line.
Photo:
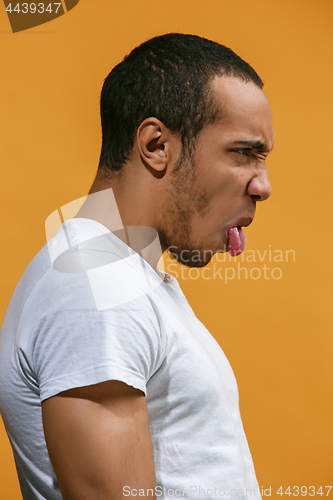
x=89 y=263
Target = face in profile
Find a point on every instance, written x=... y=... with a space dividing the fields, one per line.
x=213 y=195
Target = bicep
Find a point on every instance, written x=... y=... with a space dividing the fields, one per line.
x=98 y=438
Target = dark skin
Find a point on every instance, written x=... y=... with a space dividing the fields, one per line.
x=98 y=437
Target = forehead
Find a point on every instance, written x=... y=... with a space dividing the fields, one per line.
x=245 y=111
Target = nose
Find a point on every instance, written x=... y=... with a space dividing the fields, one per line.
x=259 y=187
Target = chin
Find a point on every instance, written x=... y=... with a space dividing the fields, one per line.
x=191 y=258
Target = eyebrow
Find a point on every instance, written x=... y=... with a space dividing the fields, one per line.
x=257 y=145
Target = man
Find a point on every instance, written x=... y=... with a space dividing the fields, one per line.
x=100 y=351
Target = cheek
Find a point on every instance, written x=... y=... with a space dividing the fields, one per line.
x=223 y=184
x=230 y=186
x=225 y=200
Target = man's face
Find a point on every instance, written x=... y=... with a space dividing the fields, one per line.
x=226 y=178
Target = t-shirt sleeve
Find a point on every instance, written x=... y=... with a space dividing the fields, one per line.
x=75 y=344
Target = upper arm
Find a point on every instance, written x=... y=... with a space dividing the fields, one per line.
x=98 y=438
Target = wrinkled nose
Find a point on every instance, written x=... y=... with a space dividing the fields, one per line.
x=259 y=188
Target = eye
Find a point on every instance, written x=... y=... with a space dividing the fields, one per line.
x=244 y=151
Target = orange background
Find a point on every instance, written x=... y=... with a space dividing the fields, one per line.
x=277 y=333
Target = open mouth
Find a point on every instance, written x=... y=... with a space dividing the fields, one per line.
x=236 y=241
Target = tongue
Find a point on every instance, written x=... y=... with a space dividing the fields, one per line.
x=236 y=241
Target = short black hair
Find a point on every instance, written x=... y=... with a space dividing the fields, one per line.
x=166 y=77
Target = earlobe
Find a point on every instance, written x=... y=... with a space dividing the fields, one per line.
x=151 y=143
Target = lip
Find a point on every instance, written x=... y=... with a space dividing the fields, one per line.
x=241 y=222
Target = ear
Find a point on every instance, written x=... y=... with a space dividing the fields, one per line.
x=154 y=143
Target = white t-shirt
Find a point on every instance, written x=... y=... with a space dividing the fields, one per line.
x=99 y=312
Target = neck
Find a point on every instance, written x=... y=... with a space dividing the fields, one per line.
x=107 y=204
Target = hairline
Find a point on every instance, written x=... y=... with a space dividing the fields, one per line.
x=188 y=151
